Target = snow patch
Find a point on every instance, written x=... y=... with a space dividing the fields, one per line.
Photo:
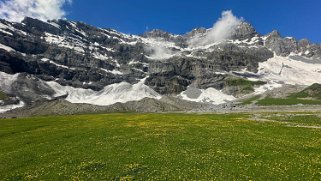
x=209 y=95
x=6 y=32
x=52 y=23
x=250 y=43
x=134 y=62
x=269 y=86
x=56 y=64
x=11 y=107
x=11 y=28
x=6 y=48
x=75 y=28
x=108 y=49
x=65 y=42
x=99 y=56
x=115 y=72
x=121 y=92
x=288 y=71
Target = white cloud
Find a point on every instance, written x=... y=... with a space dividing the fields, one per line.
x=16 y=10
x=221 y=30
x=158 y=52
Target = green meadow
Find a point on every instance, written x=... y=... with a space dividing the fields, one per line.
x=161 y=147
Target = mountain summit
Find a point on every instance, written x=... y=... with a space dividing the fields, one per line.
x=72 y=61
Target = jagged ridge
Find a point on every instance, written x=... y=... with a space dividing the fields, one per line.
x=78 y=55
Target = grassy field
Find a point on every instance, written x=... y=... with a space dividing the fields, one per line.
x=159 y=147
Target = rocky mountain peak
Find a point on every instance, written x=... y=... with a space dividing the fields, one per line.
x=274 y=35
x=157 y=33
x=244 y=31
x=304 y=43
x=37 y=26
x=196 y=31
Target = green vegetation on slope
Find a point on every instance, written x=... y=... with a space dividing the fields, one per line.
x=309 y=96
x=286 y=101
x=242 y=86
x=157 y=147
x=3 y=96
x=250 y=100
x=242 y=82
x=313 y=91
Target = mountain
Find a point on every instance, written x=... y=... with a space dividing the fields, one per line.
x=41 y=62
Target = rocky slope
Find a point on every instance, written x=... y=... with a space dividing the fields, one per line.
x=72 y=61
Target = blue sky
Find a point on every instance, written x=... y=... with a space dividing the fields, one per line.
x=298 y=18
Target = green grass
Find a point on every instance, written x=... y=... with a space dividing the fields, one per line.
x=305 y=119
x=242 y=82
x=2 y=95
x=287 y=101
x=157 y=147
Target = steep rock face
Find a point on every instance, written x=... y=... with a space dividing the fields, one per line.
x=230 y=57
x=178 y=40
x=225 y=57
x=68 y=51
x=166 y=84
x=82 y=56
x=163 y=35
